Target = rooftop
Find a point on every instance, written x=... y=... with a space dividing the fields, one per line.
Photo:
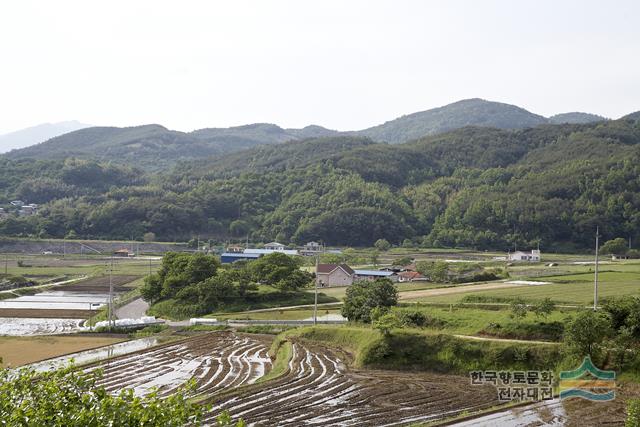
x=374 y=273
x=328 y=268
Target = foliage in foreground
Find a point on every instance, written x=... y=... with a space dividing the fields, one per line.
x=70 y=398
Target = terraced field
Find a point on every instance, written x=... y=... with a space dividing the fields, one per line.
x=217 y=361
x=319 y=390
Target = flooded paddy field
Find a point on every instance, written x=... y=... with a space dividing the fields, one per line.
x=77 y=300
x=319 y=389
x=217 y=361
x=19 y=326
x=18 y=351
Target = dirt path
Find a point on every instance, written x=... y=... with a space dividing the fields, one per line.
x=134 y=310
x=473 y=337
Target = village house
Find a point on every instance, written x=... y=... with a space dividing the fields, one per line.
x=410 y=276
x=311 y=248
x=274 y=246
x=334 y=275
x=533 y=256
x=17 y=203
x=28 y=210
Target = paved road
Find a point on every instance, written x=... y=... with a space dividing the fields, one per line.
x=134 y=310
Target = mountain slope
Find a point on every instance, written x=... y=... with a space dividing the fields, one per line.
x=471 y=187
x=469 y=112
x=37 y=134
x=575 y=117
x=155 y=147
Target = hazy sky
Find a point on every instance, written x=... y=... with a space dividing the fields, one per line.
x=341 y=64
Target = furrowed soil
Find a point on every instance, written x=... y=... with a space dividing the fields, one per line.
x=99 y=284
x=18 y=351
x=217 y=361
x=319 y=389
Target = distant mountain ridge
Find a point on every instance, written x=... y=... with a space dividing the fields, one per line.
x=155 y=147
x=37 y=134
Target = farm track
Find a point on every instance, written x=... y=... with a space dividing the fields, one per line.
x=319 y=390
x=216 y=361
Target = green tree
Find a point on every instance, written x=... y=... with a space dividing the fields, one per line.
x=436 y=271
x=178 y=270
x=149 y=237
x=518 y=309
x=70 y=398
x=403 y=261
x=615 y=247
x=543 y=308
x=375 y=257
x=587 y=331
x=385 y=323
x=363 y=296
x=382 y=245
x=272 y=268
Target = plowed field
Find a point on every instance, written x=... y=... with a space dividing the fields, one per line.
x=217 y=361
x=320 y=390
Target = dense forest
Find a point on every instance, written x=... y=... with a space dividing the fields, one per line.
x=475 y=187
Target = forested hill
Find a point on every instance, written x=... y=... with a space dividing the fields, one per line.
x=473 y=187
x=153 y=147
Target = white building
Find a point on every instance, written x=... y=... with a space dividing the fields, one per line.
x=274 y=246
x=533 y=256
x=270 y=251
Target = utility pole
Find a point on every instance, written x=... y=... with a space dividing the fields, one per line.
x=315 y=302
x=595 y=281
x=111 y=293
x=6 y=263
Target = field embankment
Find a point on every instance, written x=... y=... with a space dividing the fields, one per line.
x=417 y=350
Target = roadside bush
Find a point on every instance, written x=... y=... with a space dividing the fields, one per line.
x=544 y=331
x=418 y=319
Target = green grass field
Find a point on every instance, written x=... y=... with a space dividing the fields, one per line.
x=614 y=280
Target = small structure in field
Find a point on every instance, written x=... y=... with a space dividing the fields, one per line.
x=533 y=256
x=334 y=275
x=124 y=253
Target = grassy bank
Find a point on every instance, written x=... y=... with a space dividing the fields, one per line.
x=413 y=349
x=265 y=298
